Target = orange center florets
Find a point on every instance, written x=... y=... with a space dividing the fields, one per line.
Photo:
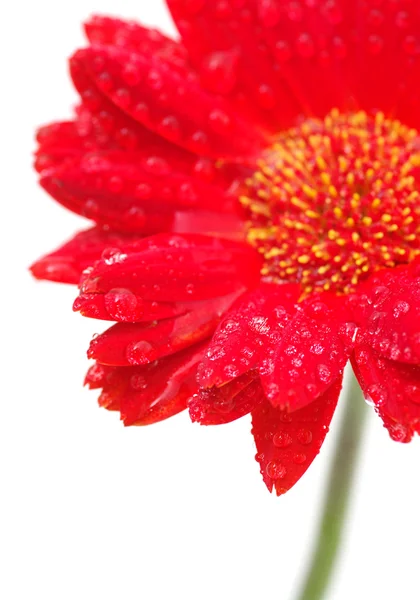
x=335 y=200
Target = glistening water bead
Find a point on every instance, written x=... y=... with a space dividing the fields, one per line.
x=334 y=200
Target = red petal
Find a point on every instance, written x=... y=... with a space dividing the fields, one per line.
x=67 y=263
x=311 y=354
x=388 y=308
x=155 y=94
x=247 y=333
x=60 y=143
x=122 y=183
x=132 y=36
x=288 y=443
x=232 y=401
x=151 y=393
x=394 y=390
x=328 y=53
x=127 y=344
x=228 y=45
x=121 y=305
x=177 y=268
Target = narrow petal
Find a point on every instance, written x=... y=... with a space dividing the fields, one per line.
x=215 y=406
x=287 y=443
x=251 y=328
x=394 y=390
x=311 y=354
x=177 y=268
x=121 y=184
x=67 y=263
x=127 y=344
x=151 y=393
x=60 y=143
x=121 y=305
x=153 y=93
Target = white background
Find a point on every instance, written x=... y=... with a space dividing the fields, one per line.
x=91 y=510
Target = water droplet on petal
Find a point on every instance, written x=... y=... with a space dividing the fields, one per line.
x=121 y=304
x=282 y=440
x=304 y=436
x=275 y=470
x=299 y=458
x=324 y=373
x=139 y=353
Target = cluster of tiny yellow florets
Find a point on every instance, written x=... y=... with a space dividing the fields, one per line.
x=334 y=200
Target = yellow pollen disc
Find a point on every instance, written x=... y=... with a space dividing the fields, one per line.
x=334 y=200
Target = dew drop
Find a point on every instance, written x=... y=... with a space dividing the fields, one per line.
x=275 y=470
x=269 y=12
x=299 y=458
x=375 y=44
x=401 y=308
x=113 y=256
x=324 y=373
x=139 y=353
x=121 y=304
x=138 y=382
x=219 y=121
x=282 y=440
x=376 y=395
x=304 y=436
x=219 y=72
x=282 y=51
x=266 y=97
x=305 y=46
x=399 y=433
x=169 y=127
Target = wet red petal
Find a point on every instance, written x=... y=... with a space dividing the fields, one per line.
x=177 y=268
x=127 y=344
x=232 y=401
x=121 y=305
x=67 y=263
x=227 y=43
x=287 y=443
x=165 y=101
x=388 y=307
x=120 y=184
x=311 y=354
x=135 y=38
x=394 y=390
x=60 y=143
x=151 y=393
x=251 y=328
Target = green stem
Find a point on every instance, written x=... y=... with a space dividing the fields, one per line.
x=337 y=496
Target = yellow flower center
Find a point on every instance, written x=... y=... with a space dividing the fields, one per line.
x=334 y=200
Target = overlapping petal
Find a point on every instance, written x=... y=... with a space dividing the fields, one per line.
x=174 y=268
x=131 y=192
x=164 y=137
x=291 y=58
x=248 y=334
x=218 y=405
x=299 y=349
x=311 y=354
x=388 y=308
x=166 y=102
x=394 y=390
x=151 y=393
x=67 y=263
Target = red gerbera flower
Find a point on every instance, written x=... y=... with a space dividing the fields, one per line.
x=254 y=188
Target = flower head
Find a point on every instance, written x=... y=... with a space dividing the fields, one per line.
x=254 y=189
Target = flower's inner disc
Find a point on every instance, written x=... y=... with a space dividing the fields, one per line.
x=335 y=200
